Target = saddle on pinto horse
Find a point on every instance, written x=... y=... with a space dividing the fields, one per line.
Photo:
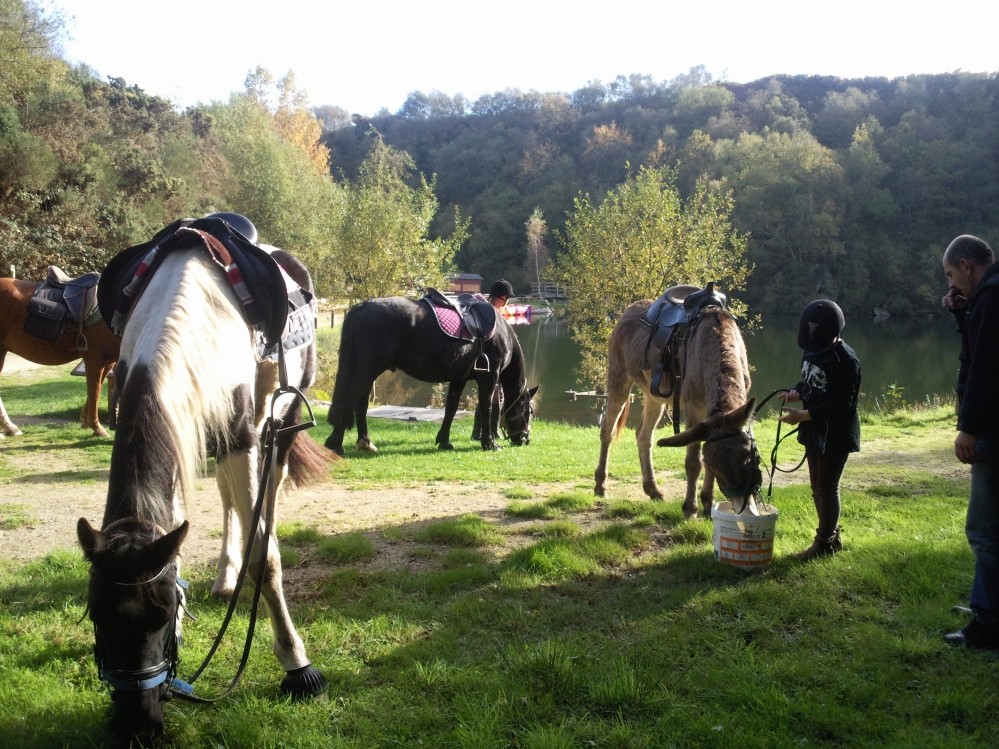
x=469 y=317
x=668 y=318
x=271 y=302
x=59 y=301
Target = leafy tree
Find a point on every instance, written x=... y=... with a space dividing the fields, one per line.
x=379 y=227
x=790 y=200
x=642 y=238
x=269 y=179
x=27 y=48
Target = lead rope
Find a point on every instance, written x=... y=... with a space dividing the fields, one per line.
x=773 y=468
x=266 y=493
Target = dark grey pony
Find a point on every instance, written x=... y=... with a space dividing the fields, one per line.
x=391 y=333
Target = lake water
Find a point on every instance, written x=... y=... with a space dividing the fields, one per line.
x=919 y=356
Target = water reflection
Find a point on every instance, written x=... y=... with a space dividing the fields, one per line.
x=918 y=356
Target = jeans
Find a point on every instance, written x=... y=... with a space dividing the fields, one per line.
x=982 y=530
x=824 y=473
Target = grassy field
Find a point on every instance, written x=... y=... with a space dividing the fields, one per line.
x=566 y=622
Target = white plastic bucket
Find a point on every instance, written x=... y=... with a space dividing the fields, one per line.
x=744 y=540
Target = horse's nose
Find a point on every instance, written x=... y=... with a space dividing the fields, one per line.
x=137 y=718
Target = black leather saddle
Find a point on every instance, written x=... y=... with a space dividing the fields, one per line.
x=267 y=293
x=61 y=300
x=668 y=318
x=476 y=314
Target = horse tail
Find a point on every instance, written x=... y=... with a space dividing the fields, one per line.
x=341 y=409
x=308 y=461
x=622 y=419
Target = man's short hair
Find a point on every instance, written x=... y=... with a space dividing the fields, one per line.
x=970 y=248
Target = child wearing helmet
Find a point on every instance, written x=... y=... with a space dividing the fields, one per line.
x=829 y=426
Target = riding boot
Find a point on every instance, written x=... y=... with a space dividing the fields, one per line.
x=823 y=545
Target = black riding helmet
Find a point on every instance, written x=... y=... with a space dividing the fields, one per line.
x=501 y=288
x=820 y=324
x=240 y=223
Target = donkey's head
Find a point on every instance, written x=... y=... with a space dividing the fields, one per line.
x=729 y=451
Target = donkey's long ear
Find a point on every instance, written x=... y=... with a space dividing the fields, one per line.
x=737 y=418
x=696 y=433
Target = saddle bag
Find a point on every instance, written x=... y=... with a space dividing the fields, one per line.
x=46 y=318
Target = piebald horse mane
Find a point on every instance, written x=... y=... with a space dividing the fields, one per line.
x=192 y=387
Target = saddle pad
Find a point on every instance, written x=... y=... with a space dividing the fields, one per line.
x=450 y=322
x=470 y=317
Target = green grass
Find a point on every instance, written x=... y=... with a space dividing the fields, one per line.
x=564 y=621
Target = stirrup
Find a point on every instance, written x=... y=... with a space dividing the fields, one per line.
x=481 y=363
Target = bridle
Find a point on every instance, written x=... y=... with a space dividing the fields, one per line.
x=150 y=677
x=527 y=420
x=749 y=487
x=144 y=679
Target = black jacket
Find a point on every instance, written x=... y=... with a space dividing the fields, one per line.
x=978 y=377
x=829 y=389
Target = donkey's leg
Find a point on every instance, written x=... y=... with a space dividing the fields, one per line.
x=454 y=390
x=692 y=465
x=652 y=412
x=615 y=412
x=707 y=492
x=237 y=472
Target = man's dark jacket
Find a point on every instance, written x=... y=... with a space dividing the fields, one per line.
x=978 y=377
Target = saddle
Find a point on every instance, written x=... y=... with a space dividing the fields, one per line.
x=668 y=318
x=470 y=317
x=271 y=302
x=59 y=301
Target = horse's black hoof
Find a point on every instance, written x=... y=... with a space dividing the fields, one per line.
x=445 y=446
x=331 y=445
x=304 y=682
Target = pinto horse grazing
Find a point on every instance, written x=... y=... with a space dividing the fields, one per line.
x=392 y=333
x=94 y=343
x=713 y=401
x=193 y=384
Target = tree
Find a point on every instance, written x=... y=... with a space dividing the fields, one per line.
x=642 y=238
x=27 y=43
x=537 y=228
x=379 y=227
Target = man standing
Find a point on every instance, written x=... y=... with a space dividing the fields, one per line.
x=973 y=296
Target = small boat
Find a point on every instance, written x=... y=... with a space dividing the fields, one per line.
x=517 y=310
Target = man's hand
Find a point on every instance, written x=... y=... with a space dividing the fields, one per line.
x=964 y=447
x=954 y=301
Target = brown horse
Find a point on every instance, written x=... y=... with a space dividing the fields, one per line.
x=713 y=401
x=95 y=344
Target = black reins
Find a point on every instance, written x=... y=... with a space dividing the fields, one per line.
x=777 y=440
x=266 y=495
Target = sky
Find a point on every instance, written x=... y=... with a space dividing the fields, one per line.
x=366 y=56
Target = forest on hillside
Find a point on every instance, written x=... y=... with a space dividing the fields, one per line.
x=848 y=189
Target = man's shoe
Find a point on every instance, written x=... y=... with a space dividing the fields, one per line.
x=977 y=635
